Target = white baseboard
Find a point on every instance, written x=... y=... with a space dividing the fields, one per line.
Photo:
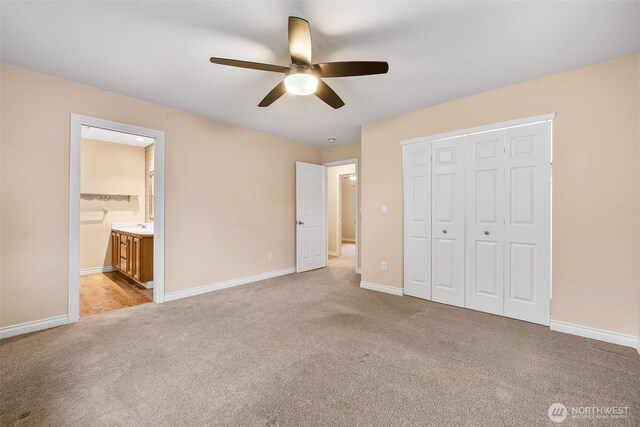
x=382 y=288
x=33 y=326
x=226 y=284
x=94 y=270
x=148 y=285
x=596 y=334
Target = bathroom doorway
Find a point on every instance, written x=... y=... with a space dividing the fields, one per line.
x=342 y=213
x=116 y=216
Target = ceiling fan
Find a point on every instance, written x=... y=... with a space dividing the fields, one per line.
x=303 y=77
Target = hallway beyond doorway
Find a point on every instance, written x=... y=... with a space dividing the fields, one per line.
x=348 y=257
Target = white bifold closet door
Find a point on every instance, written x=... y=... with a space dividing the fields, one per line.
x=527 y=282
x=477 y=213
x=417 y=220
x=447 y=210
x=485 y=222
x=508 y=222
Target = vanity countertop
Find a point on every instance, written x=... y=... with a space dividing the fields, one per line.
x=133 y=228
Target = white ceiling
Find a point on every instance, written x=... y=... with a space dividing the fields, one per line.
x=107 y=135
x=437 y=51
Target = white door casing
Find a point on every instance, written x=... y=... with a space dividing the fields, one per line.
x=311 y=217
x=448 y=221
x=528 y=216
x=485 y=222
x=417 y=220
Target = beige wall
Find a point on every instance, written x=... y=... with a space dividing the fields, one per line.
x=108 y=169
x=348 y=208
x=214 y=231
x=333 y=205
x=595 y=186
x=334 y=153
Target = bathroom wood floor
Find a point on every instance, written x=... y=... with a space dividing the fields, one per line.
x=104 y=292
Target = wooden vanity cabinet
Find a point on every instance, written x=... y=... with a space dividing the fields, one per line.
x=132 y=254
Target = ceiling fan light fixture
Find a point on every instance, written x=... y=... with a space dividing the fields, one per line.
x=303 y=77
x=301 y=83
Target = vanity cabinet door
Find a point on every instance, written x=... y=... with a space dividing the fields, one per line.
x=115 y=246
x=135 y=258
x=130 y=255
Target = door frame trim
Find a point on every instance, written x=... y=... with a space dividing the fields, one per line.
x=73 y=273
x=484 y=128
x=326 y=195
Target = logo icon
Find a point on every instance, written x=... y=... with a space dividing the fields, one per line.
x=557 y=412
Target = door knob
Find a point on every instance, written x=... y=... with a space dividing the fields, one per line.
x=300 y=223
x=486 y=233
x=444 y=231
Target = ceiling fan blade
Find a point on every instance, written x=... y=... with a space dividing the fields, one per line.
x=251 y=65
x=327 y=94
x=272 y=96
x=299 y=41
x=351 y=68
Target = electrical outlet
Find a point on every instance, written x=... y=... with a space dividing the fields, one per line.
x=383 y=266
x=270 y=256
x=384 y=210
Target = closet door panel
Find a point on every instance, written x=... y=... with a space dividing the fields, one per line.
x=485 y=222
x=527 y=229
x=448 y=224
x=417 y=220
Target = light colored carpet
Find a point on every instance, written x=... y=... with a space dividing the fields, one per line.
x=348 y=249
x=308 y=349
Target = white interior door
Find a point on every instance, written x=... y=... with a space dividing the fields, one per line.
x=527 y=230
x=311 y=217
x=448 y=221
x=417 y=220
x=485 y=222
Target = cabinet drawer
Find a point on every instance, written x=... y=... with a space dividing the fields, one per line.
x=123 y=238
x=123 y=250
x=123 y=264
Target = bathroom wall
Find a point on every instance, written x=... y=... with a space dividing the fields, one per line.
x=112 y=180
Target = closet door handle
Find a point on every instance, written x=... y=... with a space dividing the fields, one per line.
x=486 y=233
x=444 y=231
x=300 y=222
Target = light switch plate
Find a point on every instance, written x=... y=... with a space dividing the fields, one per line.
x=384 y=210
